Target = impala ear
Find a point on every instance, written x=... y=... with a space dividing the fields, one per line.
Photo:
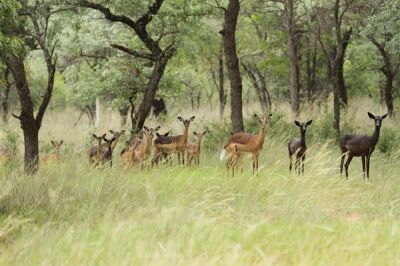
x=384 y=116
x=204 y=132
x=180 y=118
x=61 y=142
x=113 y=139
x=297 y=123
x=166 y=134
x=192 y=118
x=195 y=133
x=371 y=115
x=256 y=116
x=53 y=143
x=270 y=115
x=112 y=132
x=157 y=134
x=309 y=123
x=104 y=135
x=146 y=128
x=157 y=128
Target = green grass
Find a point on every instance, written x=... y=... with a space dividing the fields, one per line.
x=72 y=214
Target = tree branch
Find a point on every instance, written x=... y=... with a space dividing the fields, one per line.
x=133 y=53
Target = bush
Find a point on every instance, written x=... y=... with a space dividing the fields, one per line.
x=388 y=142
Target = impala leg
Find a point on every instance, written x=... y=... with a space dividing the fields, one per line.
x=257 y=164
x=368 y=160
x=342 y=162
x=363 y=165
x=290 y=162
x=349 y=158
x=303 y=158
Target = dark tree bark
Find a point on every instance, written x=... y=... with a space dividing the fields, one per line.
x=156 y=54
x=335 y=58
x=5 y=95
x=232 y=63
x=389 y=70
x=30 y=123
x=220 y=81
x=311 y=63
x=292 y=46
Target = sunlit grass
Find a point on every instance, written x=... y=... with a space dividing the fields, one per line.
x=73 y=214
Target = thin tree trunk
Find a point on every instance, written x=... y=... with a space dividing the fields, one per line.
x=389 y=95
x=232 y=64
x=221 y=89
x=292 y=47
x=144 y=108
x=6 y=94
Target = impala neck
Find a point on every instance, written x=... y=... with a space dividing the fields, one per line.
x=303 y=139
x=198 y=145
x=375 y=136
x=185 y=134
x=261 y=136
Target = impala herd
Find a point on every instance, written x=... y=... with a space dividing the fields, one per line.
x=137 y=150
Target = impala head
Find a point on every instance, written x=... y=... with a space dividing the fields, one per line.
x=263 y=121
x=199 y=135
x=186 y=122
x=56 y=144
x=108 y=141
x=99 y=139
x=303 y=126
x=117 y=134
x=149 y=132
x=378 y=119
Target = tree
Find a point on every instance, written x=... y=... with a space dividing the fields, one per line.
x=37 y=30
x=158 y=56
x=335 y=53
x=231 y=14
x=383 y=30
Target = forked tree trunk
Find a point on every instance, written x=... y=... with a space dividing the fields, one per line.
x=28 y=122
x=232 y=63
x=389 y=95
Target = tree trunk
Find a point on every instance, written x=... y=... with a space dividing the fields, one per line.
x=29 y=124
x=232 y=64
x=389 y=95
x=221 y=84
x=336 y=100
x=292 y=47
x=5 y=95
x=144 y=108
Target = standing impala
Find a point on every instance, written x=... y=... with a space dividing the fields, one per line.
x=298 y=147
x=173 y=144
x=244 y=142
x=193 y=150
x=93 y=150
x=53 y=156
x=360 y=146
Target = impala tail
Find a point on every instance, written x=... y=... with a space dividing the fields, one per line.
x=222 y=155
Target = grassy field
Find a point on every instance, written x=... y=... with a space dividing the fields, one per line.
x=72 y=214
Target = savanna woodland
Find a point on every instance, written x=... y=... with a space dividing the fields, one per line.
x=199 y=132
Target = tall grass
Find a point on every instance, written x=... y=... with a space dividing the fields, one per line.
x=72 y=214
